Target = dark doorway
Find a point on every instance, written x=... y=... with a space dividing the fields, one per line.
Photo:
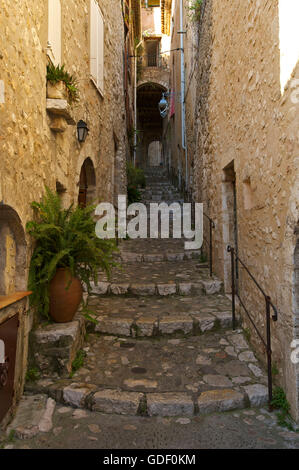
x=87 y=184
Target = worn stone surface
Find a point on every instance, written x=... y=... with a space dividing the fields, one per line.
x=169 y=404
x=54 y=346
x=112 y=401
x=257 y=394
x=227 y=430
x=76 y=393
x=220 y=400
x=31 y=417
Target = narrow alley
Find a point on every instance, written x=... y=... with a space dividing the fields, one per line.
x=114 y=335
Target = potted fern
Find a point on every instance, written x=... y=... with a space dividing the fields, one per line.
x=60 y=84
x=67 y=254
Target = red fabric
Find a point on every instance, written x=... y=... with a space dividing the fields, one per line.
x=172 y=103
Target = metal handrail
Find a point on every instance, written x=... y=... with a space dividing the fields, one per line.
x=211 y=228
x=269 y=305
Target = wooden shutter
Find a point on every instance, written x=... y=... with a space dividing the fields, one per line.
x=54 y=31
x=96 y=45
x=100 y=51
x=93 y=41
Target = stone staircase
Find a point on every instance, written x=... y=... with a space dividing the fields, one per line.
x=163 y=343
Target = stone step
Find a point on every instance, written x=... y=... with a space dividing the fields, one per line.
x=169 y=377
x=156 y=289
x=53 y=347
x=151 y=316
x=129 y=257
x=158 y=278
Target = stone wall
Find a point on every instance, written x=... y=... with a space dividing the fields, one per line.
x=247 y=138
x=32 y=155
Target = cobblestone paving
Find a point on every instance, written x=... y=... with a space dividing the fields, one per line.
x=84 y=429
x=162 y=364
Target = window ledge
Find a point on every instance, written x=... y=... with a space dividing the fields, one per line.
x=6 y=300
x=60 y=108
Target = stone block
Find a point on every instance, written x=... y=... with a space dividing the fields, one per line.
x=54 y=346
x=169 y=404
x=257 y=394
x=61 y=108
x=145 y=325
x=185 y=288
x=220 y=400
x=171 y=324
x=75 y=394
x=212 y=287
x=119 y=289
x=206 y=322
x=225 y=318
x=101 y=288
x=166 y=289
x=118 y=402
x=115 y=325
x=143 y=289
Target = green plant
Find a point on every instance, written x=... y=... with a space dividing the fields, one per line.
x=280 y=402
x=59 y=74
x=32 y=375
x=203 y=257
x=89 y=314
x=195 y=10
x=133 y=195
x=78 y=362
x=135 y=179
x=65 y=238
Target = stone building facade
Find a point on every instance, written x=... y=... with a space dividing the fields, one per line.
x=244 y=142
x=38 y=141
x=153 y=80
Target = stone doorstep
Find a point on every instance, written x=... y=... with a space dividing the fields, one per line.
x=117 y=401
x=34 y=414
x=161 y=289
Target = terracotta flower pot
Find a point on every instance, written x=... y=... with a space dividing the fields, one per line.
x=65 y=296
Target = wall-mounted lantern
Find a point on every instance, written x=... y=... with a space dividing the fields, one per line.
x=82 y=131
x=163 y=106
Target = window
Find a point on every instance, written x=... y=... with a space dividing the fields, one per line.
x=150 y=3
x=54 y=31
x=96 y=46
x=152 y=51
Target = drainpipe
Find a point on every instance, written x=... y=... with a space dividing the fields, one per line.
x=183 y=85
x=135 y=102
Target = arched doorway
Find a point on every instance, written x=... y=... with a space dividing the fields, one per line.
x=12 y=252
x=154 y=154
x=150 y=123
x=87 y=184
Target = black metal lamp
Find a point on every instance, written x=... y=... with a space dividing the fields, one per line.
x=82 y=131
